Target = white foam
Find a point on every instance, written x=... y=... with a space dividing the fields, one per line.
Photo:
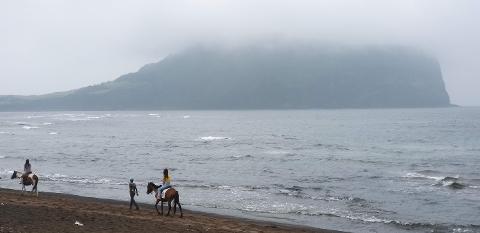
x=370 y=219
x=186 y=117
x=30 y=127
x=5 y=173
x=47 y=123
x=418 y=175
x=461 y=230
x=76 y=179
x=34 y=116
x=94 y=117
x=212 y=138
x=277 y=152
x=53 y=133
x=2 y=157
x=153 y=114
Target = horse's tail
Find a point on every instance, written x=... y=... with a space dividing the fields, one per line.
x=177 y=201
x=35 y=179
x=177 y=197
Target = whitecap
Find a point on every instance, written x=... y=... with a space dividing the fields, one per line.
x=213 y=138
x=418 y=175
x=53 y=133
x=153 y=114
x=277 y=152
x=4 y=173
x=78 y=119
x=30 y=127
x=47 y=123
x=75 y=179
x=186 y=117
x=34 y=116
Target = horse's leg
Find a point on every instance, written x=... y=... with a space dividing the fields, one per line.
x=169 y=207
x=156 y=204
x=174 y=207
x=181 y=212
x=161 y=206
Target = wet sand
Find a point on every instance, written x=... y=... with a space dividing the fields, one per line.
x=52 y=212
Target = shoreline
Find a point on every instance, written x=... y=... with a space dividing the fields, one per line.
x=57 y=212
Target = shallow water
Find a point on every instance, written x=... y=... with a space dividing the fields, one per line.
x=394 y=170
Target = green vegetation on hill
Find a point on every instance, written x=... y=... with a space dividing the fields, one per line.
x=262 y=78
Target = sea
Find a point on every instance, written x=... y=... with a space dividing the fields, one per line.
x=372 y=170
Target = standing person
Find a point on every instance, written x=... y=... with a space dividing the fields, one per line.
x=27 y=169
x=133 y=190
x=165 y=181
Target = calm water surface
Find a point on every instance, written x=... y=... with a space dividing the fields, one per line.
x=396 y=170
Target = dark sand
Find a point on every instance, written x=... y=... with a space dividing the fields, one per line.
x=52 y=212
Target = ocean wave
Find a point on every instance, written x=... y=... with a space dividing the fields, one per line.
x=35 y=116
x=451 y=182
x=77 y=119
x=367 y=218
x=213 y=138
x=454 y=182
x=22 y=123
x=6 y=173
x=279 y=152
x=416 y=175
x=77 y=179
x=53 y=133
x=30 y=127
x=240 y=157
x=47 y=123
x=332 y=146
x=186 y=117
x=221 y=186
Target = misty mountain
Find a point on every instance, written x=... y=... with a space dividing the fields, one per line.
x=262 y=78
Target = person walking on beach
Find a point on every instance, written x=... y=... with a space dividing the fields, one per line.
x=27 y=170
x=133 y=190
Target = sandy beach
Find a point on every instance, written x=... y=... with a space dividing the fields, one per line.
x=52 y=212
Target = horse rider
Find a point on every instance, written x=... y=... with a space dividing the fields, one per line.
x=165 y=182
x=27 y=170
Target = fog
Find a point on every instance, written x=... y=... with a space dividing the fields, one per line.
x=48 y=46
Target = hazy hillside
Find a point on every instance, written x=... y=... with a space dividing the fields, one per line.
x=257 y=78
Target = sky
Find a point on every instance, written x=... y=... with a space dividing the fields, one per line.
x=59 y=45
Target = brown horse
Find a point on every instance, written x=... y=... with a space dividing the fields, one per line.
x=31 y=179
x=170 y=195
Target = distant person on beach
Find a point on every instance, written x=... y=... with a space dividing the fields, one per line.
x=165 y=181
x=133 y=190
x=27 y=170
